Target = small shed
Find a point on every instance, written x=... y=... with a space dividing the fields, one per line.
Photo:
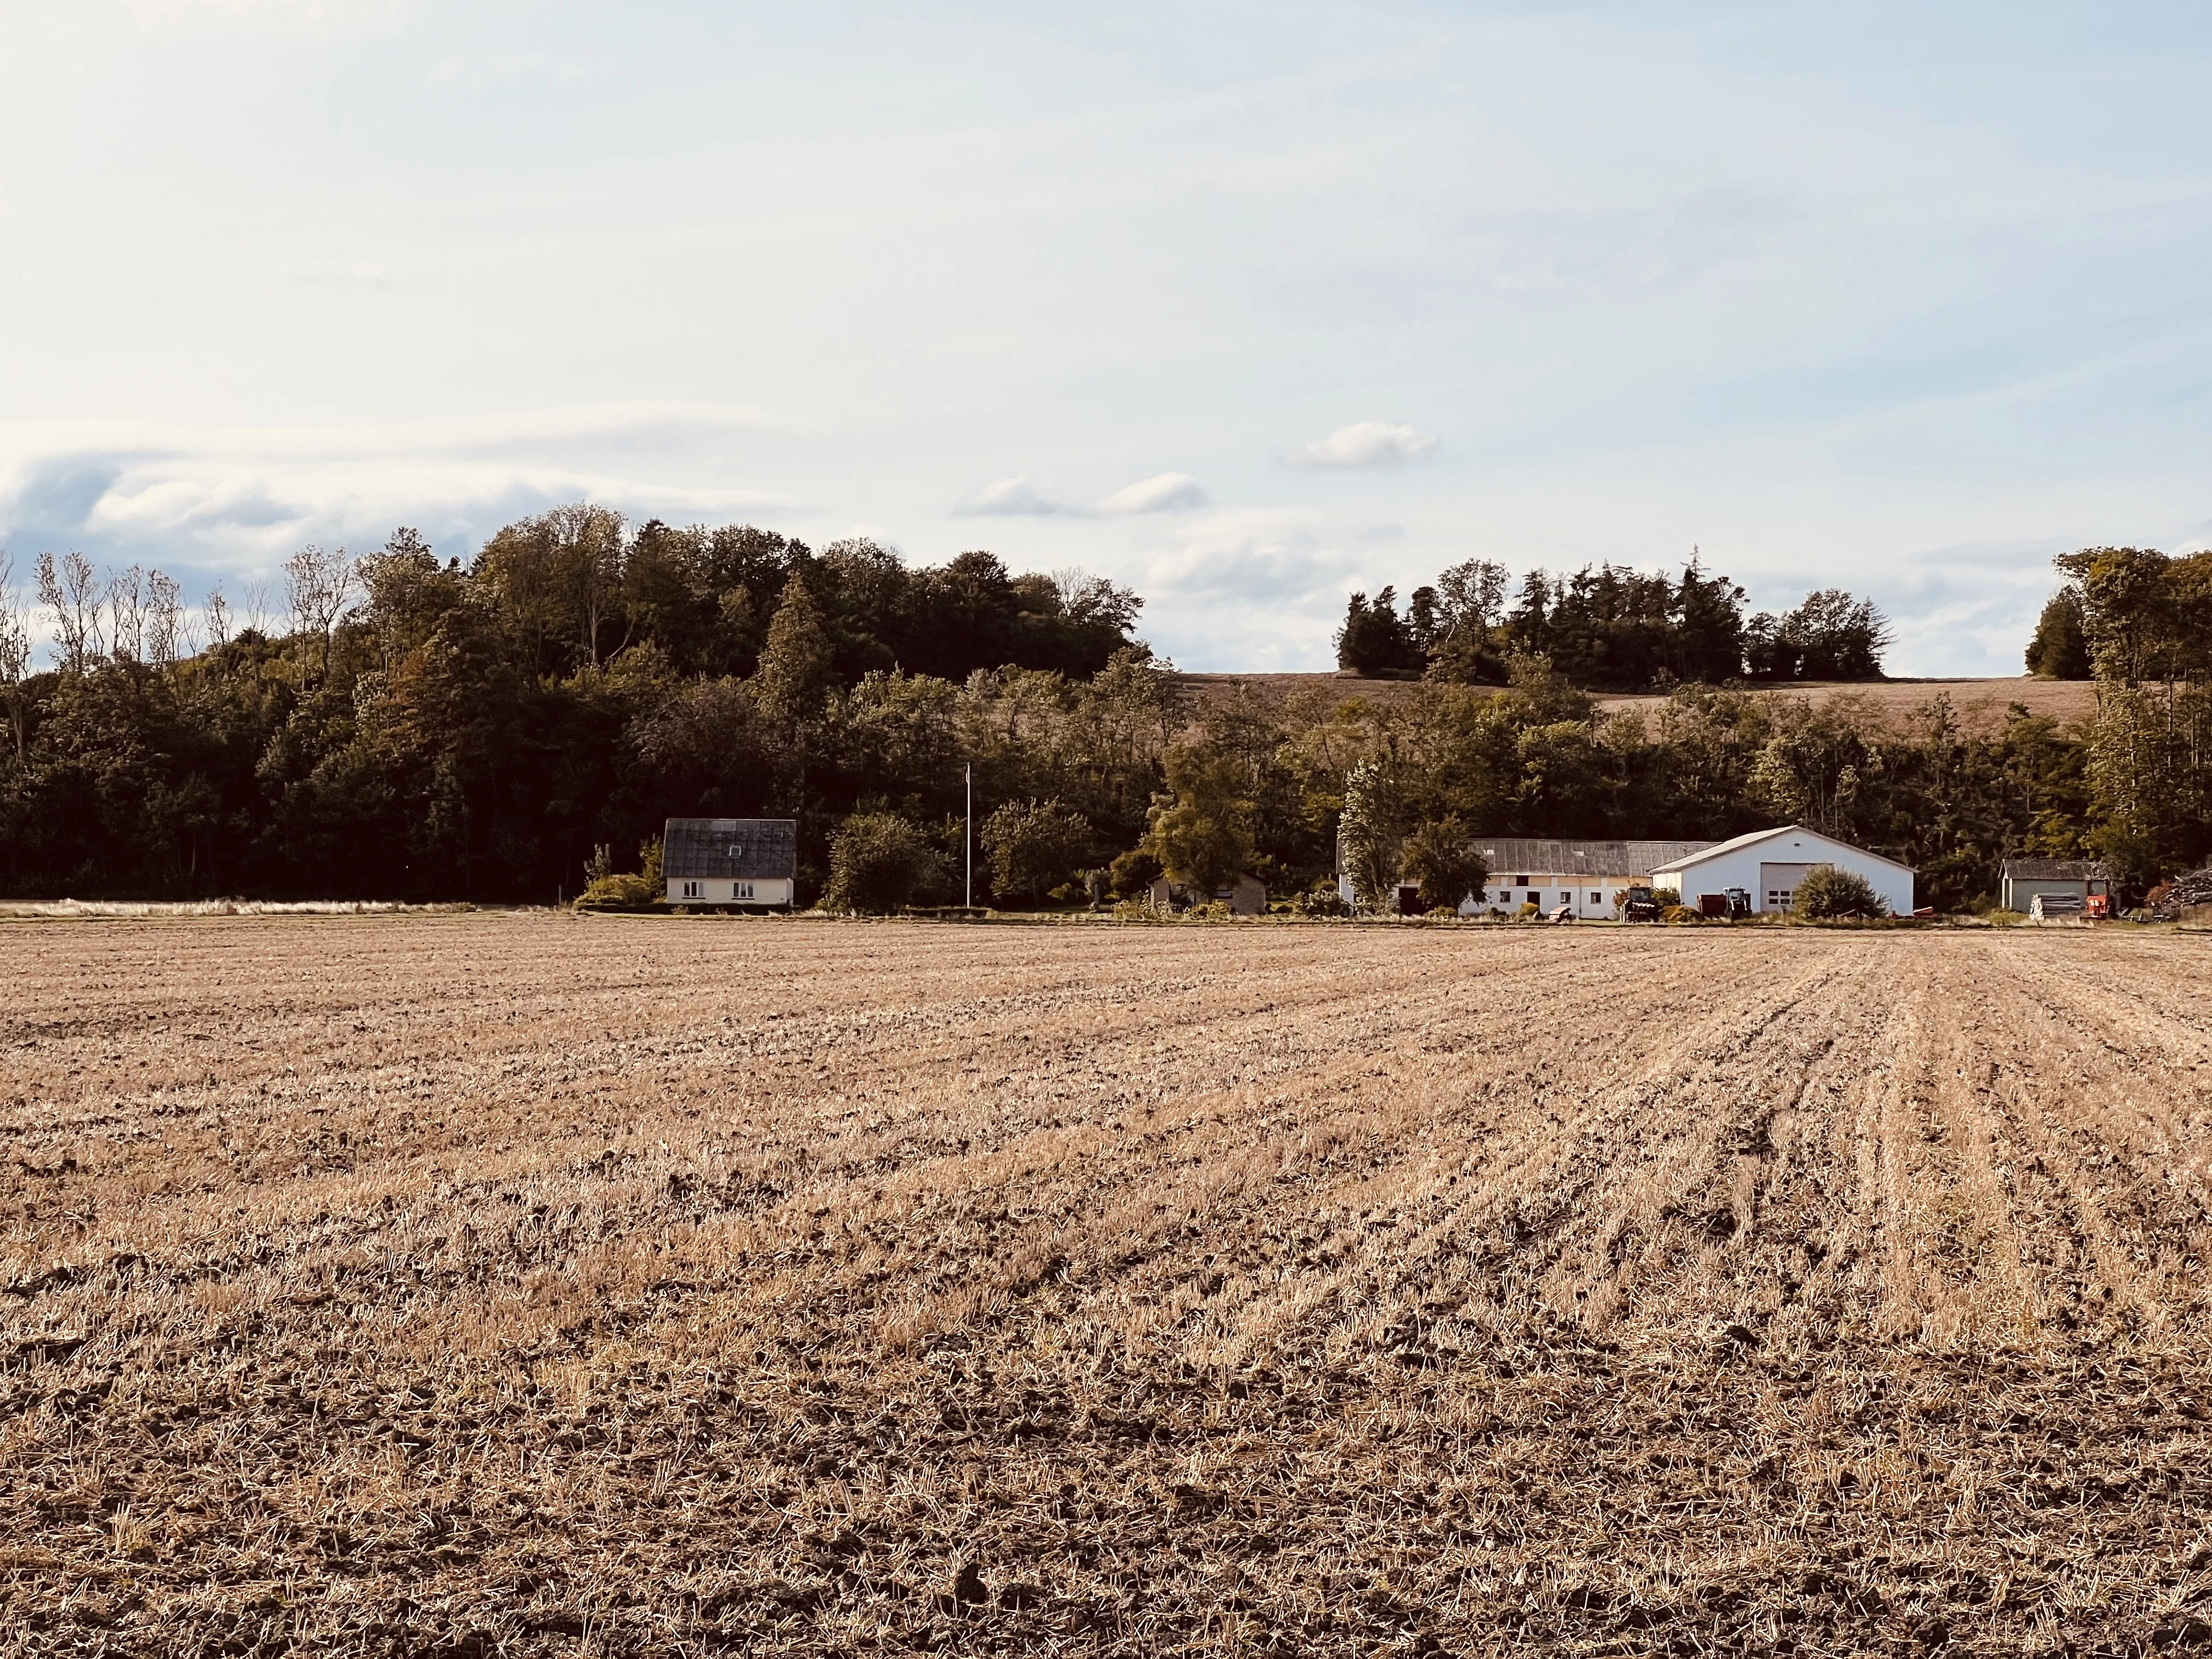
x=2020 y=881
x=742 y=861
x=1246 y=896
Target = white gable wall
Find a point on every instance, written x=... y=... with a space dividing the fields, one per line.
x=1784 y=855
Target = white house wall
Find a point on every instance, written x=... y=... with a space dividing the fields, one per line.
x=1590 y=896
x=1739 y=866
x=723 y=890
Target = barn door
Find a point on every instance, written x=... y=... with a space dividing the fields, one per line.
x=1777 y=884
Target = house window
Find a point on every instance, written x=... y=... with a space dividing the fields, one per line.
x=1778 y=898
x=741 y=889
x=691 y=889
x=1596 y=899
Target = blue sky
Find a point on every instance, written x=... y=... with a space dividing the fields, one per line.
x=1246 y=304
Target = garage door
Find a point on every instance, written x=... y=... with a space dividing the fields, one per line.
x=1777 y=884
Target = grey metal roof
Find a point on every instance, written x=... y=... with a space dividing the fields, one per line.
x=1508 y=856
x=746 y=850
x=1699 y=853
x=2055 y=869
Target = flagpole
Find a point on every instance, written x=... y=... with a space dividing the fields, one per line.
x=968 y=836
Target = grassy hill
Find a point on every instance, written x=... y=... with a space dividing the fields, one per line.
x=1981 y=704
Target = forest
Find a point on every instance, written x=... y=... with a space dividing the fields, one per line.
x=406 y=727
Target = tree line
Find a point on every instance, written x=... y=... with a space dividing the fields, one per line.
x=1608 y=628
x=401 y=724
x=2140 y=622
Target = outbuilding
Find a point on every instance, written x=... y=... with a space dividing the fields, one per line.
x=2020 y=881
x=1246 y=896
x=1769 y=864
x=1586 y=876
x=746 y=861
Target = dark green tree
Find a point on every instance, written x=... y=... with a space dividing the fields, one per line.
x=2060 y=649
x=879 y=862
x=1440 y=858
x=1200 y=831
x=1374 y=641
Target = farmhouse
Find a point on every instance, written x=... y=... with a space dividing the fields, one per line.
x=731 y=860
x=1583 y=874
x=2022 y=881
x=1768 y=864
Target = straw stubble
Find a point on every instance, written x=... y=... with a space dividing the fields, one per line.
x=447 y=1285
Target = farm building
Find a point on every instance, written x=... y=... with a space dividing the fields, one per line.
x=731 y=860
x=1768 y=864
x=2020 y=881
x=1585 y=874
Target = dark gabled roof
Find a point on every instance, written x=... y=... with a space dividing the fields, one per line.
x=746 y=849
x=1511 y=856
x=2055 y=869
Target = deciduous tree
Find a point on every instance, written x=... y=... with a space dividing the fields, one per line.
x=1201 y=829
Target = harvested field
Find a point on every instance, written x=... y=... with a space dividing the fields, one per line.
x=532 y=1285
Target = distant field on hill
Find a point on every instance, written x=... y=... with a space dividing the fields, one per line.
x=1980 y=702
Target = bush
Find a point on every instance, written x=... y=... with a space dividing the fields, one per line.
x=618 y=892
x=879 y=862
x=1321 y=900
x=1033 y=847
x=1827 y=892
x=610 y=889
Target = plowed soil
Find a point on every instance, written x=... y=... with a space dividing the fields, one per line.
x=454 y=1286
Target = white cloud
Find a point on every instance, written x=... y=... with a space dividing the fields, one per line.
x=1169 y=492
x=1016 y=498
x=341 y=273
x=1365 y=444
x=1281 y=574
x=240 y=498
x=282 y=17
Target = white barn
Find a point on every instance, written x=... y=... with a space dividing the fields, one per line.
x=1768 y=864
x=730 y=861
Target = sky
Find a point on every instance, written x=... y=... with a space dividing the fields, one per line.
x=1248 y=306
